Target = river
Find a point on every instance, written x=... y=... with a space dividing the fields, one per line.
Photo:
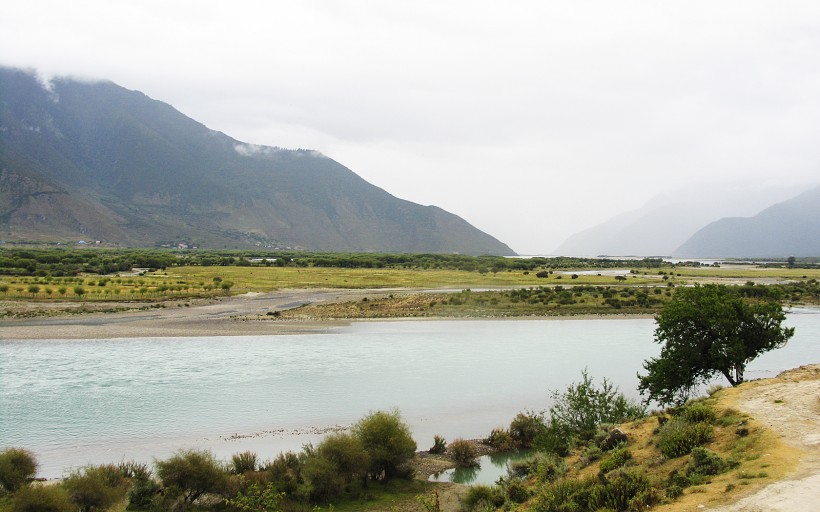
x=76 y=402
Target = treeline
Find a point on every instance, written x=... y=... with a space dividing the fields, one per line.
x=71 y=262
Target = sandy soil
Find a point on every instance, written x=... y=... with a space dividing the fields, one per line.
x=228 y=316
x=789 y=406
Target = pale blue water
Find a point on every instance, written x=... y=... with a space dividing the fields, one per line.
x=94 y=401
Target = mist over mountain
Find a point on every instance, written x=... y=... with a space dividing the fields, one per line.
x=668 y=220
x=789 y=228
x=95 y=161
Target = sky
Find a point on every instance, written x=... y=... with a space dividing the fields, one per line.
x=532 y=120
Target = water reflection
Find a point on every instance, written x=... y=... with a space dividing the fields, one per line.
x=490 y=469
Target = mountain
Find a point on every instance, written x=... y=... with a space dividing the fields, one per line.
x=665 y=222
x=95 y=161
x=790 y=228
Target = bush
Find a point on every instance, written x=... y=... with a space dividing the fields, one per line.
x=516 y=490
x=96 y=487
x=500 y=440
x=190 y=474
x=547 y=467
x=142 y=493
x=323 y=478
x=678 y=437
x=285 y=472
x=347 y=455
x=41 y=498
x=439 y=445
x=387 y=441
x=706 y=462
x=615 y=460
x=483 y=497
x=463 y=453
x=524 y=428
x=699 y=412
x=623 y=491
x=17 y=468
x=582 y=407
x=243 y=462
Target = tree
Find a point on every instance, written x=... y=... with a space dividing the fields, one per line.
x=17 y=468
x=387 y=441
x=190 y=474
x=709 y=330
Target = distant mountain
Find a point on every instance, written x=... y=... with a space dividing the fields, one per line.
x=95 y=161
x=668 y=220
x=790 y=228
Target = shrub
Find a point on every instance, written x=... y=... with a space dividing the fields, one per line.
x=706 y=462
x=677 y=437
x=347 y=455
x=547 y=467
x=388 y=442
x=256 y=497
x=500 y=440
x=699 y=412
x=439 y=445
x=516 y=490
x=463 y=453
x=483 y=497
x=623 y=491
x=190 y=474
x=323 y=478
x=554 y=439
x=243 y=462
x=616 y=459
x=41 y=498
x=134 y=470
x=17 y=467
x=96 y=487
x=142 y=493
x=524 y=428
x=582 y=407
x=285 y=472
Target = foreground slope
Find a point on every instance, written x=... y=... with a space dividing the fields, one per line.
x=94 y=161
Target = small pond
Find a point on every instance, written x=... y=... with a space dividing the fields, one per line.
x=490 y=469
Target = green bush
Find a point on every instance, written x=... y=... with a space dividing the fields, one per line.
x=17 y=467
x=500 y=440
x=285 y=472
x=41 y=498
x=243 y=462
x=554 y=439
x=463 y=453
x=699 y=412
x=96 y=487
x=324 y=480
x=483 y=497
x=190 y=474
x=706 y=462
x=678 y=437
x=623 y=490
x=439 y=445
x=516 y=490
x=547 y=467
x=387 y=441
x=142 y=493
x=582 y=407
x=347 y=455
x=524 y=428
x=618 y=458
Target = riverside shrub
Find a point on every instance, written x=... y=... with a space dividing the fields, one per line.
x=463 y=453
x=41 y=498
x=678 y=437
x=96 y=487
x=17 y=468
x=387 y=440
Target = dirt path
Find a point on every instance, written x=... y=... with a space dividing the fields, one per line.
x=789 y=406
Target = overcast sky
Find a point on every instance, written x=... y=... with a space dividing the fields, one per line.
x=532 y=120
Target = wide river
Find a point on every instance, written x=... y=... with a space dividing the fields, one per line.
x=76 y=402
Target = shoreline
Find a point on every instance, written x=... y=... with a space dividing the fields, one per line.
x=240 y=315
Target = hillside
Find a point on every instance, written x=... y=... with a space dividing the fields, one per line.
x=790 y=228
x=95 y=161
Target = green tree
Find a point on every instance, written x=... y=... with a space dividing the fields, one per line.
x=17 y=467
x=388 y=442
x=705 y=331
x=190 y=474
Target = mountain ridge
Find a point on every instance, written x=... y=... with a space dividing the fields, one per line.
x=97 y=161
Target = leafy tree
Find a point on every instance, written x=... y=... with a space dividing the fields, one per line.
x=190 y=474
x=17 y=467
x=387 y=440
x=709 y=330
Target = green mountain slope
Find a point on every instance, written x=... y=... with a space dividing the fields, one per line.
x=790 y=228
x=96 y=161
